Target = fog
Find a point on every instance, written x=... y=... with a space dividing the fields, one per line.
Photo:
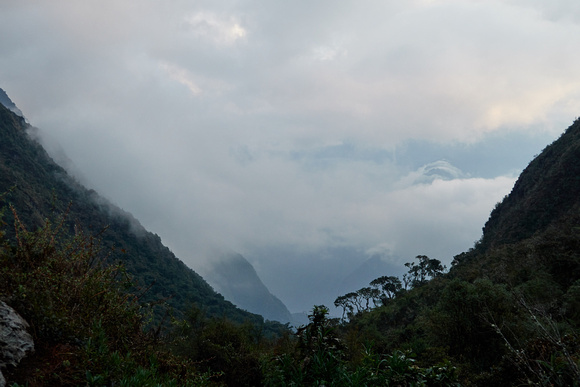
x=306 y=136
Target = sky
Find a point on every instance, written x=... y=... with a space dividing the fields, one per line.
x=306 y=135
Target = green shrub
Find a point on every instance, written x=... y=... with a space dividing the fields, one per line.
x=88 y=329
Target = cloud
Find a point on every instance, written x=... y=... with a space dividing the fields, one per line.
x=182 y=76
x=442 y=217
x=553 y=11
x=438 y=218
x=220 y=30
x=307 y=126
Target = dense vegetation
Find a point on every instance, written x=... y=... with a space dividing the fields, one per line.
x=506 y=313
x=90 y=329
x=516 y=324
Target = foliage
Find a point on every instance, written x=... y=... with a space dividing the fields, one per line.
x=386 y=288
x=550 y=358
x=86 y=327
x=218 y=345
x=476 y=317
x=319 y=357
x=463 y=317
x=61 y=284
x=420 y=273
x=390 y=286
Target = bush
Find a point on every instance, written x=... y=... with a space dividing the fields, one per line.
x=319 y=358
x=87 y=328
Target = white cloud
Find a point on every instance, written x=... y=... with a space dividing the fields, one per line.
x=444 y=217
x=218 y=29
x=231 y=121
x=182 y=76
x=329 y=53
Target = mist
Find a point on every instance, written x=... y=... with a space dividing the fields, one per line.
x=307 y=137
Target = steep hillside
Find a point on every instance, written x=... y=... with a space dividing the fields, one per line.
x=7 y=102
x=38 y=188
x=547 y=192
x=535 y=230
x=507 y=313
x=236 y=279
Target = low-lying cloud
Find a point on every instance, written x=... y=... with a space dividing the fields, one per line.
x=378 y=126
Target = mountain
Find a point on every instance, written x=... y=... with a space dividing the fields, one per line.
x=7 y=102
x=508 y=311
x=39 y=189
x=546 y=193
x=236 y=279
x=533 y=234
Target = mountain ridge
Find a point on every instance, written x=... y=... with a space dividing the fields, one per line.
x=233 y=276
x=38 y=187
x=9 y=104
x=545 y=192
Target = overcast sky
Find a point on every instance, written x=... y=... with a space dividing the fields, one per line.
x=289 y=130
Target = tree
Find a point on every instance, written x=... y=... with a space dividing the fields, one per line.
x=344 y=303
x=420 y=273
x=355 y=300
x=368 y=294
x=390 y=286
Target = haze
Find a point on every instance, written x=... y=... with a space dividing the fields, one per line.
x=308 y=136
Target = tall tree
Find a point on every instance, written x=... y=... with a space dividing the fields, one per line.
x=389 y=285
x=425 y=270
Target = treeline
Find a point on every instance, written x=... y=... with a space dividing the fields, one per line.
x=385 y=288
x=91 y=326
x=508 y=317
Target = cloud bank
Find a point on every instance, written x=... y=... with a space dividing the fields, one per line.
x=305 y=126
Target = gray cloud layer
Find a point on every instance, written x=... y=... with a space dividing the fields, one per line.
x=255 y=125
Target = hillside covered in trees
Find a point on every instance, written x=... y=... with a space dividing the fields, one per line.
x=85 y=275
x=507 y=311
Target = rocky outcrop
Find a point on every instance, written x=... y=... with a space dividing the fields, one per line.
x=15 y=341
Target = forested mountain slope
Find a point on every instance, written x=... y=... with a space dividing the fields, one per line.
x=546 y=193
x=534 y=231
x=508 y=310
x=38 y=188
